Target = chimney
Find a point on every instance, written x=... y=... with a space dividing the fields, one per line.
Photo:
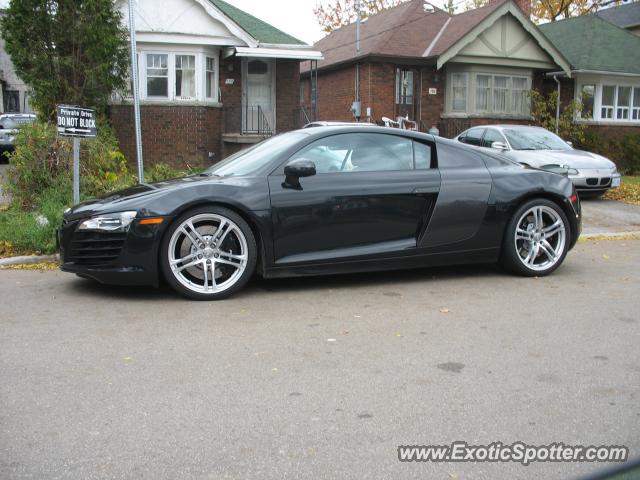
x=524 y=5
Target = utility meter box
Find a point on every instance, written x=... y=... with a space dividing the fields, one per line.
x=356 y=109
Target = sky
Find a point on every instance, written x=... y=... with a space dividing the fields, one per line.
x=294 y=17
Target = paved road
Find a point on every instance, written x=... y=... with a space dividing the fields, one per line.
x=102 y=382
x=608 y=216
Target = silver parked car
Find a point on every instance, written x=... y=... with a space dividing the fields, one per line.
x=9 y=124
x=592 y=174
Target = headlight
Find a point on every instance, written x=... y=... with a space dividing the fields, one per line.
x=111 y=222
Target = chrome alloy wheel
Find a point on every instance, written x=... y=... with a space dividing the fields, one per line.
x=540 y=238
x=207 y=253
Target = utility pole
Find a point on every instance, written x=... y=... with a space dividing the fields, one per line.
x=136 y=92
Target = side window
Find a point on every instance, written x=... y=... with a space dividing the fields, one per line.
x=492 y=135
x=421 y=155
x=359 y=152
x=474 y=137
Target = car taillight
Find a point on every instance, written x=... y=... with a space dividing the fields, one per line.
x=573 y=198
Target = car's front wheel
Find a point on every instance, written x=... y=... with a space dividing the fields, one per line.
x=208 y=253
x=537 y=239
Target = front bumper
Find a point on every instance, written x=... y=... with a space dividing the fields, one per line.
x=594 y=180
x=129 y=258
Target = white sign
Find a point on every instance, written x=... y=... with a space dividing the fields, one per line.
x=76 y=122
x=433 y=91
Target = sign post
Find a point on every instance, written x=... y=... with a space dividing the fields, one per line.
x=136 y=91
x=76 y=122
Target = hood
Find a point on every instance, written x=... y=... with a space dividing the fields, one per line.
x=112 y=202
x=578 y=159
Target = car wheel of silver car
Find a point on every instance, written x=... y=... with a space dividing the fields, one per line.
x=537 y=239
x=208 y=253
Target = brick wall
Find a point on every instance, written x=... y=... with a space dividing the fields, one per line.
x=173 y=134
x=287 y=95
x=431 y=106
x=377 y=90
x=336 y=90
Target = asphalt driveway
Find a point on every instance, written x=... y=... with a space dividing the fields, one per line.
x=608 y=216
x=319 y=378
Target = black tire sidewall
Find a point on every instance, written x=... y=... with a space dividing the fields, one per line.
x=252 y=253
x=510 y=259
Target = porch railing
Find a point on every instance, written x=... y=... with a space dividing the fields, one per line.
x=247 y=120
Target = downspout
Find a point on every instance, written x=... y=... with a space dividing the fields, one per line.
x=557 y=105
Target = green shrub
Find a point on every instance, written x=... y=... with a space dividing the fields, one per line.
x=625 y=152
x=42 y=160
x=40 y=182
x=161 y=171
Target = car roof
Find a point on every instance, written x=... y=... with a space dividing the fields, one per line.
x=505 y=126
x=331 y=123
x=328 y=130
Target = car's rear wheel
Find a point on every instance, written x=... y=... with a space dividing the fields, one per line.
x=208 y=253
x=537 y=239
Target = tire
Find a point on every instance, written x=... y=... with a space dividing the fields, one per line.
x=536 y=239
x=208 y=253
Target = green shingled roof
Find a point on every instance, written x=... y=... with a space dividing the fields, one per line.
x=591 y=43
x=261 y=31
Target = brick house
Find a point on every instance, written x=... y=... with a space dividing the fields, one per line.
x=457 y=71
x=605 y=72
x=212 y=79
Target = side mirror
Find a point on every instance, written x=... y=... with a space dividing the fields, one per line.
x=569 y=143
x=499 y=145
x=296 y=170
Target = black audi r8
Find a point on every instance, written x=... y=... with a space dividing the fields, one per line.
x=323 y=201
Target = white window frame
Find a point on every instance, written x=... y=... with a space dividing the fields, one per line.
x=473 y=109
x=601 y=81
x=200 y=75
x=145 y=55
x=216 y=77
x=635 y=109
x=465 y=75
x=175 y=76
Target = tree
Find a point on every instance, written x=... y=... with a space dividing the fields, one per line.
x=543 y=110
x=333 y=14
x=67 y=51
x=552 y=10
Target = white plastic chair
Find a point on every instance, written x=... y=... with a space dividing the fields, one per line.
x=390 y=123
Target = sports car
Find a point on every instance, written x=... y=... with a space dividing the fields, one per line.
x=324 y=201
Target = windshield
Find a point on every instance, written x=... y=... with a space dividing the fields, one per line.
x=534 y=139
x=246 y=162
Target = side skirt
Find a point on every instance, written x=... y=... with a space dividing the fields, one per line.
x=486 y=255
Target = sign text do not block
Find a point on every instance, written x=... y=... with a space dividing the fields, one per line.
x=75 y=121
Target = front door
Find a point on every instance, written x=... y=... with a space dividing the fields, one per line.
x=372 y=195
x=259 y=96
x=407 y=93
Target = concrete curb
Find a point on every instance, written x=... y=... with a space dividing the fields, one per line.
x=28 y=259
x=611 y=234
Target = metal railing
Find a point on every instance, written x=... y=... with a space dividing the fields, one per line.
x=247 y=120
